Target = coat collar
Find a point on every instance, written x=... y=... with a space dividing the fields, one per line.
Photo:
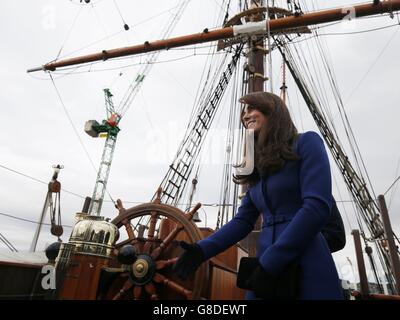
x=257 y=196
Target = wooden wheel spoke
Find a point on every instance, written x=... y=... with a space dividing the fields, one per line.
x=173 y=285
x=152 y=226
x=129 y=230
x=150 y=235
x=155 y=254
x=120 y=207
x=161 y=264
x=141 y=230
x=147 y=247
x=158 y=195
x=151 y=290
x=137 y=244
x=193 y=211
x=137 y=292
x=128 y=284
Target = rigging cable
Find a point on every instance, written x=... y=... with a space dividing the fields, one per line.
x=133 y=202
x=239 y=142
x=226 y=184
x=338 y=34
x=135 y=85
x=394 y=183
x=300 y=75
x=321 y=84
x=340 y=101
x=126 y=27
x=27 y=220
x=373 y=64
x=38 y=180
x=7 y=243
x=345 y=121
x=342 y=203
x=337 y=98
x=91 y=44
x=129 y=65
x=69 y=33
x=99 y=20
x=227 y=12
x=368 y=251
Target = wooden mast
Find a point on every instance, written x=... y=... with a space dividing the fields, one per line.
x=255 y=69
x=364 y=288
x=275 y=26
x=391 y=246
x=255 y=62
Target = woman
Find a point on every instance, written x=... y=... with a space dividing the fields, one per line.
x=291 y=187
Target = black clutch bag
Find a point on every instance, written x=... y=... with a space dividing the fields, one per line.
x=285 y=286
x=246 y=268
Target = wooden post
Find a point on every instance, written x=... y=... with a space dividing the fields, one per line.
x=360 y=263
x=394 y=257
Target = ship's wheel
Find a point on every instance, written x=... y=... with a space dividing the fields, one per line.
x=147 y=255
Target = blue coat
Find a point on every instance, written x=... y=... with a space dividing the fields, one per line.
x=300 y=196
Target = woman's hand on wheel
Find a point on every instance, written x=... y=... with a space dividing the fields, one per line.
x=189 y=260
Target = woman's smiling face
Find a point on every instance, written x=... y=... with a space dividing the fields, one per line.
x=253 y=119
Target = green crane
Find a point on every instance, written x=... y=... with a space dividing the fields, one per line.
x=109 y=129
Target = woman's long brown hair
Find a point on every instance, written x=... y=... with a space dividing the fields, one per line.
x=274 y=143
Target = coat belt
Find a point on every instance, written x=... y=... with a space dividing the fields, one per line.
x=272 y=220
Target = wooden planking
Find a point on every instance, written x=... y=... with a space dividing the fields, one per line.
x=223 y=285
x=82 y=277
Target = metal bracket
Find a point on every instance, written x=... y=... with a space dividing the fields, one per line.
x=260 y=75
x=246 y=167
x=250 y=28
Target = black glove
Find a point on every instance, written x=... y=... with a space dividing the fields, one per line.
x=189 y=260
x=262 y=283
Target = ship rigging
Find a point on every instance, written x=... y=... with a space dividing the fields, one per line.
x=281 y=37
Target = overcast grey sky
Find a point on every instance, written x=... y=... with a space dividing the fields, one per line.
x=36 y=133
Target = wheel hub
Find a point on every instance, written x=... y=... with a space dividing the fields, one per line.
x=142 y=271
